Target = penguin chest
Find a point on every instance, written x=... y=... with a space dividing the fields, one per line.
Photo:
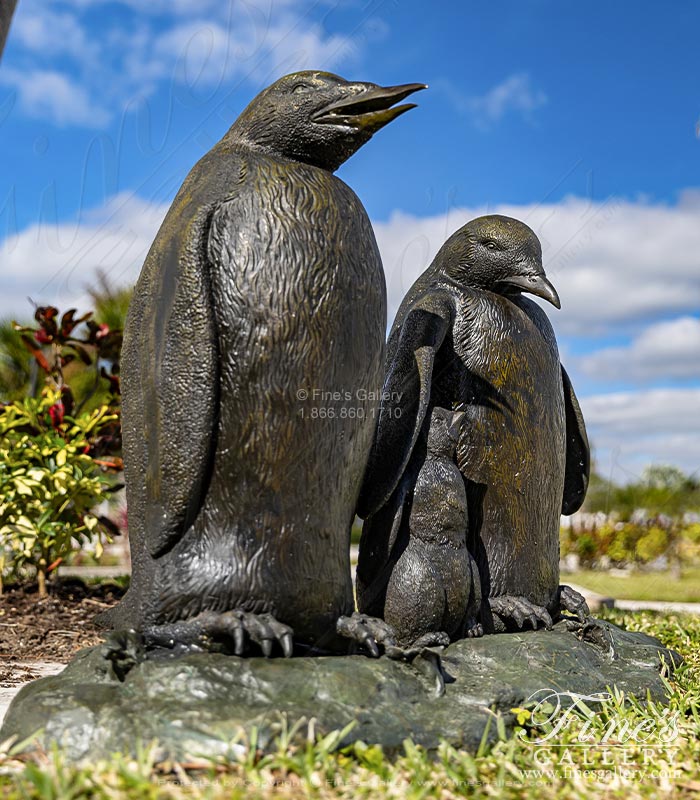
x=507 y=377
x=439 y=507
x=299 y=277
x=300 y=303
x=301 y=306
x=512 y=447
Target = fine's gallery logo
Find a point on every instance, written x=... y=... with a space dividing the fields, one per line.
x=555 y=712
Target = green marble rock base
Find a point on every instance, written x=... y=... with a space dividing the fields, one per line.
x=205 y=705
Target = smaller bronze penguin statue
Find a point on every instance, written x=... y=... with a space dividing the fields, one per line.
x=467 y=338
x=434 y=594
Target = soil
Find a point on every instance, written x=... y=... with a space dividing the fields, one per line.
x=49 y=629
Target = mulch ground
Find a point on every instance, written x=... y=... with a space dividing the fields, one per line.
x=50 y=629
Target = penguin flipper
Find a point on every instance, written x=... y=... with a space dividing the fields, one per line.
x=578 y=454
x=180 y=390
x=379 y=552
x=405 y=398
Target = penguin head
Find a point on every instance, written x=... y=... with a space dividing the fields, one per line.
x=443 y=433
x=319 y=118
x=497 y=253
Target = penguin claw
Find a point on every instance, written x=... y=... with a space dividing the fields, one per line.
x=518 y=617
x=208 y=629
x=371 y=645
x=473 y=630
x=287 y=644
x=369 y=632
x=238 y=640
x=520 y=610
x=574 y=602
x=265 y=630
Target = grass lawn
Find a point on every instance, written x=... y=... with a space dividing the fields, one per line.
x=648 y=765
x=641 y=585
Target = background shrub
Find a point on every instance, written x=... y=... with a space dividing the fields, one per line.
x=50 y=482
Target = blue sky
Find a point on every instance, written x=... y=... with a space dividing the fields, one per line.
x=581 y=121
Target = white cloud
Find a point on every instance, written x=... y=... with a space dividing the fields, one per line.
x=46 y=31
x=633 y=429
x=669 y=349
x=47 y=94
x=515 y=93
x=197 y=47
x=204 y=53
x=55 y=263
x=616 y=264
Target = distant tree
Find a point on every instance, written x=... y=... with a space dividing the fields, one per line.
x=110 y=303
x=661 y=490
x=600 y=493
x=652 y=508
x=670 y=478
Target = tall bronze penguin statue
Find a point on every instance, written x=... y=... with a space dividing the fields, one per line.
x=262 y=291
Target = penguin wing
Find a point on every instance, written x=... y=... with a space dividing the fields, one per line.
x=179 y=387
x=578 y=455
x=377 y=556
x=405 y=396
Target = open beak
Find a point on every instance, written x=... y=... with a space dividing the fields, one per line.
x=371 y=109
x=535 y=284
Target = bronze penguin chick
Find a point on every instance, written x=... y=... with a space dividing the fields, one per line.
x=466 y=338
x=434 y=595
x=263 y=286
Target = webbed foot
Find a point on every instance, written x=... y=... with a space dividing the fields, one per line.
x=432 y=639
x=574 y=602
x=368 y=632
x=594 y=632
x=473 y=629
x=230 y=631
x=125 y=649
x=520 y=610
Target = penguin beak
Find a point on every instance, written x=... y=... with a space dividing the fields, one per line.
x=456 y=424
x=534 y=284
x=371 y=108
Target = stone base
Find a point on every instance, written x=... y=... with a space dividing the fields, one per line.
x=205 y=705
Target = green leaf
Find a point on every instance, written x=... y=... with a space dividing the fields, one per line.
x=37 y=474
x=90 y=522
x=23 y=486
x=522 y=715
